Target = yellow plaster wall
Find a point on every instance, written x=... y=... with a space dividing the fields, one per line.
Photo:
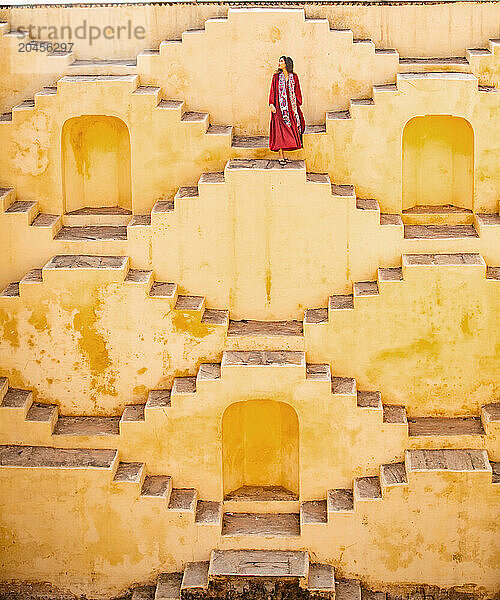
x=366 y=150
x=406 y=340
x=107 y=531
x=96 y=346
x=414 y=30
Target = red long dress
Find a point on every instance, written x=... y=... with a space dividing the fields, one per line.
x=280 y=134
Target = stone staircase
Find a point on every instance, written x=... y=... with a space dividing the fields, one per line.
x=47 y=425
x=229 y=569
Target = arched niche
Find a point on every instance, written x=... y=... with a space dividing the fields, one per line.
x=438 y=162
x=96 y=162
x=260 y=446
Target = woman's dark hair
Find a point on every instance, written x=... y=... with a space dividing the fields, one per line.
x=288 y=62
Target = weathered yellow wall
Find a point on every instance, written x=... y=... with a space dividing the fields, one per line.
x=96 y=345
x=95 y=162
x=107 y=531
x=265 y=243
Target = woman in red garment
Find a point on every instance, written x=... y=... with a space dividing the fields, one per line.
x=287 y=120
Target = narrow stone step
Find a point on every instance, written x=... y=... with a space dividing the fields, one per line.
x=156 y=486
x=488 y=219
x=341 y=302
x=183 y=500
x=259 y=493
x=347 y=589
x=390 y=274
x=261 y=524
x=313 y=512
x=46 y=457
x=45 y=220
x=391 y=219
x=209 y=372
x=144 y=592
x=491 y=412
x=190 y=303
x=495 y=472
x=493 y=273
x=195 y=117
x=195 y=576
x=367 y=204
x=215 y=317
x=451 y=60
x=318 y=372
x=220 y=130
x=85 y=261
x=367 y=399
x=33 y=276
x=265 y=328
x=11 y=290
x=186 y=191
x=138 y=276
x=184 y=385
x=321 y=578
x=427 y=426
x=87 y=426
x=259 y=563
x=455 y=259
x=168 y=586
x=42 y=413
x=92 y=232
x=263 y=357
x=94 y=62
x=394 y=414
x=446 y=214
x=129 y=472
x=208 y=513
x=263 y=164
x=340 y=500
x=393 y=474
x=98 y=216
x=439 y=232
x=447 y=460
x=365 y=288
x=133 y=413
x=367 y=488
x=210 y=178
x=158 y=399
x=23 y=206
x=315 y=316
x=161 y=289
x=344 y=386
x=254 y=142
x=338 y=115
x=14 y=398
x=318 y=178
x=140 y=221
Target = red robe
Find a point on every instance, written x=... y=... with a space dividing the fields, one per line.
x=280 y=135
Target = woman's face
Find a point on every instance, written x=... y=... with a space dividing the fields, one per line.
x=281 y=63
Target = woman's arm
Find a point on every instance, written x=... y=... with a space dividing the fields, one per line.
x=298 y=91
x=272 y=91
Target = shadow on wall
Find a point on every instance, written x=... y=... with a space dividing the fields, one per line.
x=438 y=162
x=260 y=445
x=96 y=162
